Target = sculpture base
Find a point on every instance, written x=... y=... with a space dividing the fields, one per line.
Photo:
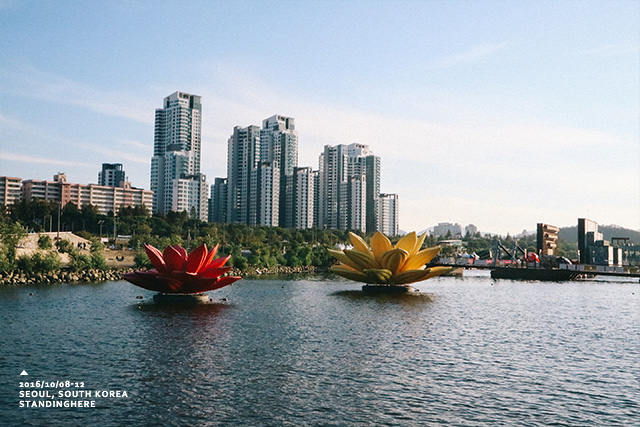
x=388 y=289
x=181 y=298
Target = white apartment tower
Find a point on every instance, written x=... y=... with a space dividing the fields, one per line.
x=304 y=193
x=176 y=181
x=279 y=144
x=267 y=181
x=256 y=196
x=349 y=186
x=388 y=214
x=243 y=156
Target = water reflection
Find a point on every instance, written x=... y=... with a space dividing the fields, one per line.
x=411 y=298
x=179 y=359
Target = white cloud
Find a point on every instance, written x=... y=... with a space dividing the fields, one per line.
x=110 y=153
x=21 y=158
x=30 y=82
x=8 y=122
x=137 y=144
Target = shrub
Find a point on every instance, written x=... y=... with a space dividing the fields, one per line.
x=142 y=260
x=97 y=260
x=44 y=242
x=78 y=261
x=64 y=245
x=96 y=245
x=39 y=262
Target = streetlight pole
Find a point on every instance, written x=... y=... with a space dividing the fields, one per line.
x=59 y=213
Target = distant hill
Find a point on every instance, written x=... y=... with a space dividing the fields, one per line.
x=570 y=234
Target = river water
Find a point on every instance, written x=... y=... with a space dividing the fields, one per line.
x=315 y=352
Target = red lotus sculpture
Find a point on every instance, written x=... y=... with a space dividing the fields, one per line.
x=177 y=272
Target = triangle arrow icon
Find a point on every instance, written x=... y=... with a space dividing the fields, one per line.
x=23 y=373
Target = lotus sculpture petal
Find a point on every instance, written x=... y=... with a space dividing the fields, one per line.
x=176 y=272
x=385 y=264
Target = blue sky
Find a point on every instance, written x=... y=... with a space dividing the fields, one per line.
x=498 y=113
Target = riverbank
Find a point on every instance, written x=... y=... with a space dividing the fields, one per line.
x=18 y=278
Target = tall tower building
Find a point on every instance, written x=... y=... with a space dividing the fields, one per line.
x=372 y=171
x=388 y=214
x=243 y=156
x=279 y=144
x=218 y=201
x=349 y=181
x=304 y=197
x=176 y=181
x=332 y=187
x=266 y=181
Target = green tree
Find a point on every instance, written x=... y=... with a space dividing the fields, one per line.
x=11 y=233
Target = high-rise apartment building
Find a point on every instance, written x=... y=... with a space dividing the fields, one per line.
x=279 y=144
x=349 y=180
x=372 y=171
x=112 y=175
x=243 y=156
x=332 y=188
x=304 y=197
x=254 y=156
x=388 y=214
x=265 y=186
x=266 y=182
x=176 y=181
x=218 y=201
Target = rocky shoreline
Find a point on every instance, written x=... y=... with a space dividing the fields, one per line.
x=17 y=278
x=86 y=276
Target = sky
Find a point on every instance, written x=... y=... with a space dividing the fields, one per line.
x=501 y=114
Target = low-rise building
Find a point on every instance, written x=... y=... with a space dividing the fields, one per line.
x=9 y=190
x=104 y=198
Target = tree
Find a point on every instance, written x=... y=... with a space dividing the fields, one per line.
x=71 y=217
x=11 y=233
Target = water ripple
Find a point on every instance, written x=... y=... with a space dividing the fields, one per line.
x=474 y=352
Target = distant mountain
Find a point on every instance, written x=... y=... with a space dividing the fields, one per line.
x=570 y=234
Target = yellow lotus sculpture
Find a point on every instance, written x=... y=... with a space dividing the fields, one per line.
x=386 y=264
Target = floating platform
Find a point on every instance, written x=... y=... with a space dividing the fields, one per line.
x=544 y=274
